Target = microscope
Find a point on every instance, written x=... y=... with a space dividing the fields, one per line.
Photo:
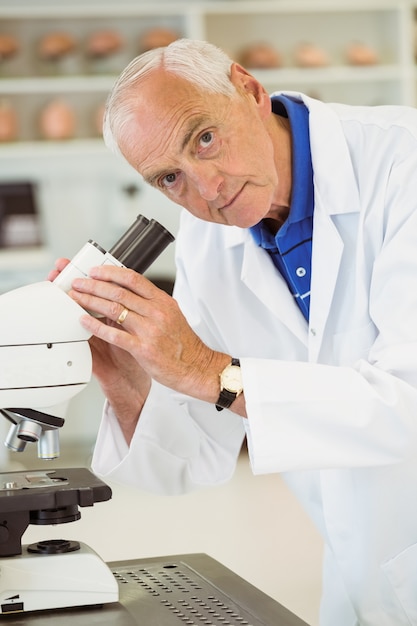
x=45 y=360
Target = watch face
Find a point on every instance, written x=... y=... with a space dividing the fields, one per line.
x=231 y=378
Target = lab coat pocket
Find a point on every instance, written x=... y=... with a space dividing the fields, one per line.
x=354 y=344
x=401 y=572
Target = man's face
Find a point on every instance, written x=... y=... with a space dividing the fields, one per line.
x=209 y=153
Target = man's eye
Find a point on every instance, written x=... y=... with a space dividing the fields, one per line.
x=168 y=180
x=206 y=139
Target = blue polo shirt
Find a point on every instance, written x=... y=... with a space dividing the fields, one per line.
x=290 y=248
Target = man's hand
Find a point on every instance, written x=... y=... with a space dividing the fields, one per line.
x=155 y=333
x=124 y=383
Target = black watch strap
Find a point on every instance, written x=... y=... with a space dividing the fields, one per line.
x=226 y=397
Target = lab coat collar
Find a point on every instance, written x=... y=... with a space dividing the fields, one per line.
x=265 y=282
x=336 y=193
x=334 y=176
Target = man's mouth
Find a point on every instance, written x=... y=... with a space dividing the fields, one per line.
x=231 y=201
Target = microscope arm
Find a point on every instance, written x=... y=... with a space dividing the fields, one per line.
x=45 y=357
x=45 y=360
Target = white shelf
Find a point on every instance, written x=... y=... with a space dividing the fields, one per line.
x=53 y=149
x=56 y=84
x=21 y=258
x=81 y=9
x=94 y=84
x=332 y=24
x=335 y=74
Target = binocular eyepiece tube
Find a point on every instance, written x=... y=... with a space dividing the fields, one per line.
x=141 y=244
x=136 y=249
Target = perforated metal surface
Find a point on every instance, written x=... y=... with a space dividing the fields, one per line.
x=184 y=595
x=191 y=589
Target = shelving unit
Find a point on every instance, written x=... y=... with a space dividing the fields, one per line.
x=331 y=27
x=385 y=25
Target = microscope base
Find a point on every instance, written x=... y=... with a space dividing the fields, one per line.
x=33 y=582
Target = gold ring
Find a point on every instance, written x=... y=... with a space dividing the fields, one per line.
x=122 y=316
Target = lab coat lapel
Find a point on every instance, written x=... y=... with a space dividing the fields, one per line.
x=336 y=194
x=327 y=254
x=264 y=280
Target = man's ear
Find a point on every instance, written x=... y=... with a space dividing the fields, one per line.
x=247 y=84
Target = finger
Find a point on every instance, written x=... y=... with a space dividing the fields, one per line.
x=107 y=298
x=127 y=278
x=108 y=333
x=60 y=264
x=52 y=275
x=106 y=305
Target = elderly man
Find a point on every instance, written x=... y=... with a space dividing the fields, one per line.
x=293 y=321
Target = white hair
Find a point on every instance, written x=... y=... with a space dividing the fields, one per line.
x=198 y=62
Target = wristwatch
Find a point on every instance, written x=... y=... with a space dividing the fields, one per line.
x=230 y=385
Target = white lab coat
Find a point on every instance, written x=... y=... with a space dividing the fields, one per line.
x=332 y=405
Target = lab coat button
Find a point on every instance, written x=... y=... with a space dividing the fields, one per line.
x=300 y=271
x=313 y=331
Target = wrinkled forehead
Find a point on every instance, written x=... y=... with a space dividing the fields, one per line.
x=161 y=91
x=148 y=102
x=161 y=111
x=153 y=118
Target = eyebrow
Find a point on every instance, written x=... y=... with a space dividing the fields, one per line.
x=194 y=125
x=197 y=122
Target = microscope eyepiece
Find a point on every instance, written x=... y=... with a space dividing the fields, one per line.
x=137 y=249
x=122 y=244
x=146 y=247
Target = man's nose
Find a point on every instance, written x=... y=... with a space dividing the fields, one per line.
x=208 y=181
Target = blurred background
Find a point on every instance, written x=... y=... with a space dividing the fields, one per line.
x=59 y=187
